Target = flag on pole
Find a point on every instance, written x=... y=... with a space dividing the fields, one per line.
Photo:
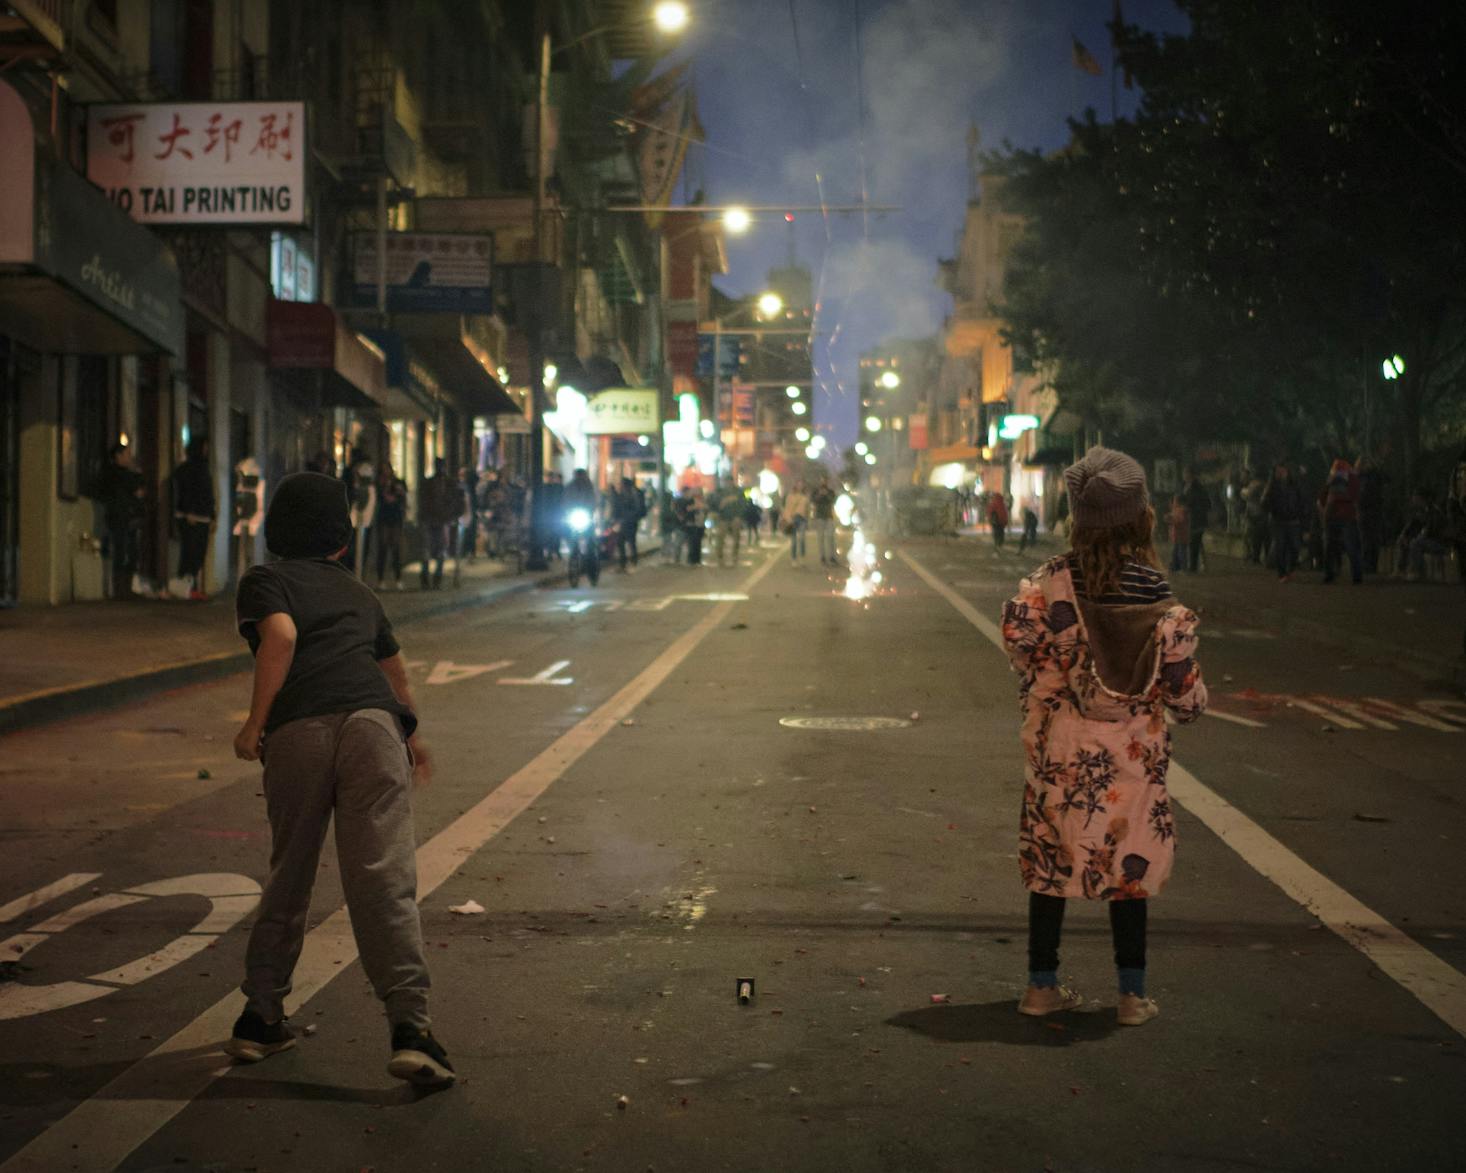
x=1084 y=59
x=1116 y=25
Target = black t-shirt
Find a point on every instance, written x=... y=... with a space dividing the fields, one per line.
x=341 y=634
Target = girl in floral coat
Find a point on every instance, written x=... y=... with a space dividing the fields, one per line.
x=1104 y=651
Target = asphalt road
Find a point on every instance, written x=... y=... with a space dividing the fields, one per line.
x=615 y=788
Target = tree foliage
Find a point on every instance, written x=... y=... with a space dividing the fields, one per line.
x=1281 y=213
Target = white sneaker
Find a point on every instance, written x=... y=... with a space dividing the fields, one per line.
x=1134 y=1010
x=1038 y=1001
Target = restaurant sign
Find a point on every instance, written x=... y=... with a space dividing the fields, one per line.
x=426 y=272
x=200 y=162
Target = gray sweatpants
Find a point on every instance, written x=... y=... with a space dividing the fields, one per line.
x=357 y=765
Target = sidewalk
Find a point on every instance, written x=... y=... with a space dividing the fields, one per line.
x=59 y=661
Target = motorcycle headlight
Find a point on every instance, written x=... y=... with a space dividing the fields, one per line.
x=579 y=520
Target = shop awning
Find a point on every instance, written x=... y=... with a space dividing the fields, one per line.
x=77 y=276
x=412 y=392
x=953 y=454
x=463 y=367
x=308 y=336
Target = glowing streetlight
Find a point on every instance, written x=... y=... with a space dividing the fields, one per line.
x=890 y=380
x=802 y=435
x=705 y=429
x=770 y=304
x=644 y=440
x=792 y=391
x=551 y=373
x=870 y=458
x=872 y=423
x=737 y=220
x=798 y=407
x=861 y=448
x=812 y=452
x=1392 y=368
x=670 y=16
x=819 y=442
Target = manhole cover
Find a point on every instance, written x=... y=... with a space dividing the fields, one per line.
x=844 y=724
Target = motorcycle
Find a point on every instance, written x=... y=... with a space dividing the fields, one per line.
x=585 y=554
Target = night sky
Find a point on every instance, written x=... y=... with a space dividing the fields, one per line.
x=876 y=96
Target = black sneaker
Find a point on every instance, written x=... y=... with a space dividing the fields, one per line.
x=255 y=1039
x=418 y=1057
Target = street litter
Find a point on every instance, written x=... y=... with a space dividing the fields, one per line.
x=204 y=775
x=941 y=998
x=1361 y=817
x=628 y=721
x=745 y=991
x=311 y=1029
x=467 y=908
x=622 y=1101
x=915 y=716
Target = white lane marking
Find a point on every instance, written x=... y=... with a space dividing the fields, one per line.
x=1236 y=720
x=577 y=608
x=447 y=672
x=1445 y=710
x=1319 y=710
x=649 y=604
x=44 y=895
x=1438 y=986
x=100 y=1132
x=546 y=677
x=1359 y=714
x=230 y=898
x=1401 y=713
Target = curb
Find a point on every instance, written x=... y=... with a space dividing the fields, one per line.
x=74 y=700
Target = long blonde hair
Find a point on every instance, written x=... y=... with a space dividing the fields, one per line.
x=1102 y=553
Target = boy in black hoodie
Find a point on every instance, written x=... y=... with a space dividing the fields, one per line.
x=332 y=719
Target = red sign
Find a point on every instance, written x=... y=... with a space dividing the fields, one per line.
x=300 y=334
x=916 y=435
x=682 y=348
x=745 y=406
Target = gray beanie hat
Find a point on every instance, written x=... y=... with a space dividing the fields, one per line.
x=1106 y=489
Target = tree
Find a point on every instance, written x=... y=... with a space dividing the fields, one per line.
x=1235 y=261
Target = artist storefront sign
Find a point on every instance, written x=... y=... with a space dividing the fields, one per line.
x=201 y=162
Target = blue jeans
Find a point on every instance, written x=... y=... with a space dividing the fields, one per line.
x=796 y=537
x=1287 y=541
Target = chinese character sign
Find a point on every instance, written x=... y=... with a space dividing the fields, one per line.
x=621 y=411
x=427 y=271
x=201 y=162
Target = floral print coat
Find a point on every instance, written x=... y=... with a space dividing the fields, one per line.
x=1096 y=819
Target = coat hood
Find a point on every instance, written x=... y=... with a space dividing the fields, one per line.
x=1111 y=654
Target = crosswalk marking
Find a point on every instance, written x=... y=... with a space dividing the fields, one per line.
x=1318 y=710
x=1413 y=716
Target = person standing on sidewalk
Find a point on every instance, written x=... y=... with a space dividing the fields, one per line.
x=1282 y=501
x=194 y=511
x=1029 y=537
x=1371 y=512
x=120 y=492
x=1456 y=521
x=1104 y=652
x=776 y=505
x=1338 y=506
x=1198 y=513
x=628 y=507
x=998 y=518
x=726 y=506
x=1178 y=527
x=796 y=520
x=822 y=508
x=333 y=719
x=440 y=504
x=387 y=528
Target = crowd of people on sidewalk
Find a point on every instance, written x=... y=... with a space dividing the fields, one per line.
x=1347 y=520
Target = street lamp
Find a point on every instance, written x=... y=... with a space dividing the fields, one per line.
x=769 y=304
x=802 y=435
x=872 y=423
x=1392 y=368
x=798 y=407
x=861 y=448
x=870 y=458
x=890 y=380
x=670 y=16
x=737 y=220
x=792 y=392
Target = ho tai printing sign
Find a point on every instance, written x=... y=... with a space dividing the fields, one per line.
x=201 y=162
x=619 y=411
x=427 y=271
